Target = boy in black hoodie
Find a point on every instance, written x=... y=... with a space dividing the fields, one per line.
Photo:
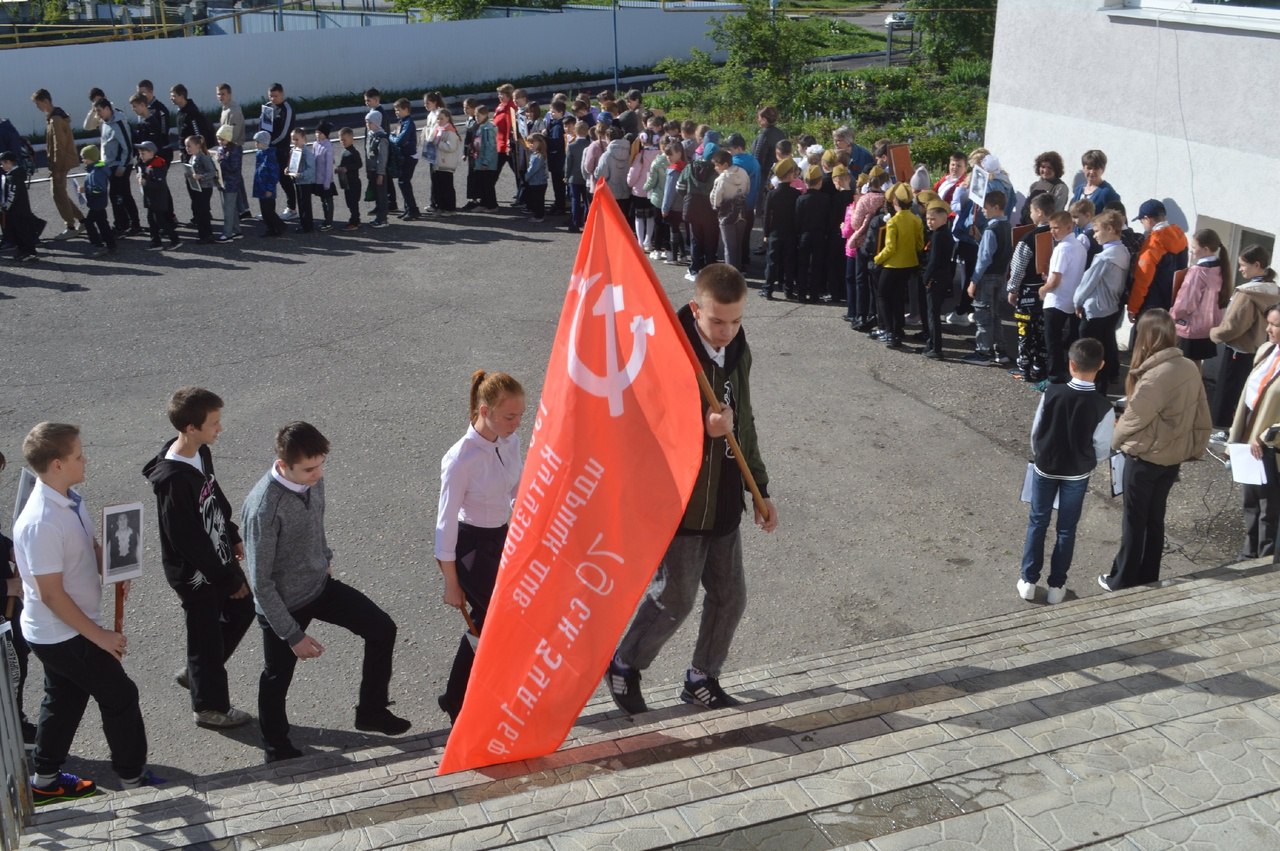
x=153 y=177
x=813 y=215
x=21 y=226
x=201 y=547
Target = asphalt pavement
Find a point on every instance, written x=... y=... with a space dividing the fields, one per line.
x=896 y=478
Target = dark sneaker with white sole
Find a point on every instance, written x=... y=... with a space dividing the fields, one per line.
x=707 y=693
x=624 y=686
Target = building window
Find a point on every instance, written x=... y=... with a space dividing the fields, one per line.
x=1236 y=238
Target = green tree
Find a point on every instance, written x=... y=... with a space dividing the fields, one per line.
x=954 y=29
x=764 y=58
x=450 y=10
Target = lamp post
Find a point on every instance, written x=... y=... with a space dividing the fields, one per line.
x=616 y=84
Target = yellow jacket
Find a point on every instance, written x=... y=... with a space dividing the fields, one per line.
x=903 y=242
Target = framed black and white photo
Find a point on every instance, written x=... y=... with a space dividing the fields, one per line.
x=121 y=542
x=295 y=162
x=978 y=180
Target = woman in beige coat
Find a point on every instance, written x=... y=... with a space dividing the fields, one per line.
x=1165 y=422
x=1257 y=412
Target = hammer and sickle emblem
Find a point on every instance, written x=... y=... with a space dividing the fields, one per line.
x=617 y=378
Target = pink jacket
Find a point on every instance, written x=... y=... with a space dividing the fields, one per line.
x=856 y=219
x=639 y=172
x=1196 y=310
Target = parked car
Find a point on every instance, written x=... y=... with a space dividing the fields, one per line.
x=899 y=21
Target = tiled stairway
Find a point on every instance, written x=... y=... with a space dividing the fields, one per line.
x=1145 y=719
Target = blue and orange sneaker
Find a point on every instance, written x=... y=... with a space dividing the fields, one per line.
x=65 y=787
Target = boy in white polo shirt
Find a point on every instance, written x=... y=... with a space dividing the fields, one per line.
x=1066 y=268
x=58 y=559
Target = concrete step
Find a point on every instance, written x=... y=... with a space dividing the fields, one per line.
x=660 y=775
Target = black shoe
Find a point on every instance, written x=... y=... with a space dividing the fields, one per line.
x=381 y=720
x=624 y=686
x=1104 y=580
x=283 y=752
x=790 y=295
x=893 y=342
x=932 y=354
x=767 y=293
x=919 y=336
x=246 y=216
x=448 y=708
x=866 y=326
x=707 y=693
x=182 y=679
x=28 y=733
x=761 y=249
x=134 y=230
x=880 y=336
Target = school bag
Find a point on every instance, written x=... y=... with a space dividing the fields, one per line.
x=12 y=140
x=871 y=242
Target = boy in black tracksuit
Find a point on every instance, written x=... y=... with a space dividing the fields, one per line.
x=939 y=272
x=201 y=549
x=348 y=172
x=813 y=223
x=780 y=232
x=153 y=173
x=21 y=227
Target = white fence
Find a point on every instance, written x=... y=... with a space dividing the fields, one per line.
x=335 y=61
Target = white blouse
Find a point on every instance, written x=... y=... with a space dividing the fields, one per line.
x=478 y=481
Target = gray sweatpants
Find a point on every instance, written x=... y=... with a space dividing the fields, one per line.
x=715 y=562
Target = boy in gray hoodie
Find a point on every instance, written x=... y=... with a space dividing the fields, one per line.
x=290 y=568
x=615 y=162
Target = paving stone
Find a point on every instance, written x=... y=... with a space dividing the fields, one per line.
x=1093 y=811
x=956 y=757
x=746 y=807
x=883 y=814
x=1241 y=825
x=887 y=774
x=1060 y=731
x=1105 y=757
x=996 y=785
x=797 y=833
x=988 y=830
x=643 y=831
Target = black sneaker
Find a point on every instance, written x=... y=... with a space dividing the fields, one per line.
x=624 y=686
x=65 y=787
x=182 y=679
x=281 y=752
x=381 y=720
x=28 y=734
x=707 y=693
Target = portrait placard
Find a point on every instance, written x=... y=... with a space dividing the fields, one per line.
x=121 y=542
x=900 y=162
x=26 y=486
x=978 y=180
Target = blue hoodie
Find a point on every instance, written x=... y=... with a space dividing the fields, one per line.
x=751 y=166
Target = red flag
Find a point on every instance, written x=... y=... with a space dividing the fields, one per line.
x=616 y=447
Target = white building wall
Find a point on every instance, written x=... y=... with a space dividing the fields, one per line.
x=1185 y=114
x=418 y=57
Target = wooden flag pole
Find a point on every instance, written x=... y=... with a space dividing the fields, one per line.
x=471 y=625
x=710 y=396
x=120 y=595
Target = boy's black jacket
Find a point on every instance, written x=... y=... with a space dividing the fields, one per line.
x=197 y=535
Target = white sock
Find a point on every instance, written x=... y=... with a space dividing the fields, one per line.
x=43 y=779
x=617 y=660
x=695 y=676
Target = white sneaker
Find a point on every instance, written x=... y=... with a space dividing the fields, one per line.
x=231 y=718
x=65 y=234
x=954 y=318
x=689 y=276
x=289 y=215
x=1057 y=595
x=1218 y=437
x=1026 y=590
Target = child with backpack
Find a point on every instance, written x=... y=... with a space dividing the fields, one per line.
x=96 y=193
x=673 y=200
x=266 y=177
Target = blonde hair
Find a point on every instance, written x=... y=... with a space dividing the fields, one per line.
x=489 y=389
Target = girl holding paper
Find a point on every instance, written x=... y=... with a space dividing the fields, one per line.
x=1165 y=422
x=478 y=480
x=1257 y=411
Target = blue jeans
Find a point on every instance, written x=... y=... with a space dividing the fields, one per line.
x=1070 y=496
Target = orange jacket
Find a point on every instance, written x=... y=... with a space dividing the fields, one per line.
x=1161 y=241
